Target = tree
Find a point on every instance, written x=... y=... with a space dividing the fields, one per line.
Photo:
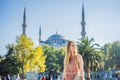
x=112 y=52
x=54 y=60
x=97 y=61
x=36 y=60
x=106 y=51
x=115 y=54
x=87 y=49
x=9 y=63
x=60 y=56
x=31 y=57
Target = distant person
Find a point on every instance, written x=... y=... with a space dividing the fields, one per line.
x=58 y=78
x=51 y=78
x=8 y=77
x=47 y=78
x=17 y=77
x=43 y=78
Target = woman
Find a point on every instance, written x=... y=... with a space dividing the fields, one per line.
x=73 y=63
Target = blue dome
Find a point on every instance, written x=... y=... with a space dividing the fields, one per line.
x=56 y=40
x=56 y=36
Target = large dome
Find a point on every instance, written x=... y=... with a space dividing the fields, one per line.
x=56 y=40
x=56 y=36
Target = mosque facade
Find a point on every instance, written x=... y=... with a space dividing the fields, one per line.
x=57 y=40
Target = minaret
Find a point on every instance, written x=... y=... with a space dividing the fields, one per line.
x=56 y=31
x=83 y=33
x=24 y=22
x=39 y=35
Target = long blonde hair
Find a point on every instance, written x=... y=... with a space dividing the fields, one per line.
x=68 y=53
x=67 y=57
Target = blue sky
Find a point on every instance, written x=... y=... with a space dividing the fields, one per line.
x=102 y=20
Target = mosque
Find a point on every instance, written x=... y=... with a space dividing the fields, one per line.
x=56 y=40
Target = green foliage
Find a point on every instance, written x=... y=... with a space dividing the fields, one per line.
x=115 y=54
x=98 y=61
x=9 y=64
x=90 y=53
x=1 y=58
x=106 y=51
x=112 y=52
x=54 y=60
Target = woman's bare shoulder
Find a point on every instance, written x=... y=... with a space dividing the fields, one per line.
x=79 y=56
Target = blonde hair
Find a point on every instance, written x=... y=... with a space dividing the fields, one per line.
x=68 y=53
x=68 y=56
x=67 y=61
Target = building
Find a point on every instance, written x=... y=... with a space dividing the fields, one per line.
x=59 y=40
x=56 y=40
